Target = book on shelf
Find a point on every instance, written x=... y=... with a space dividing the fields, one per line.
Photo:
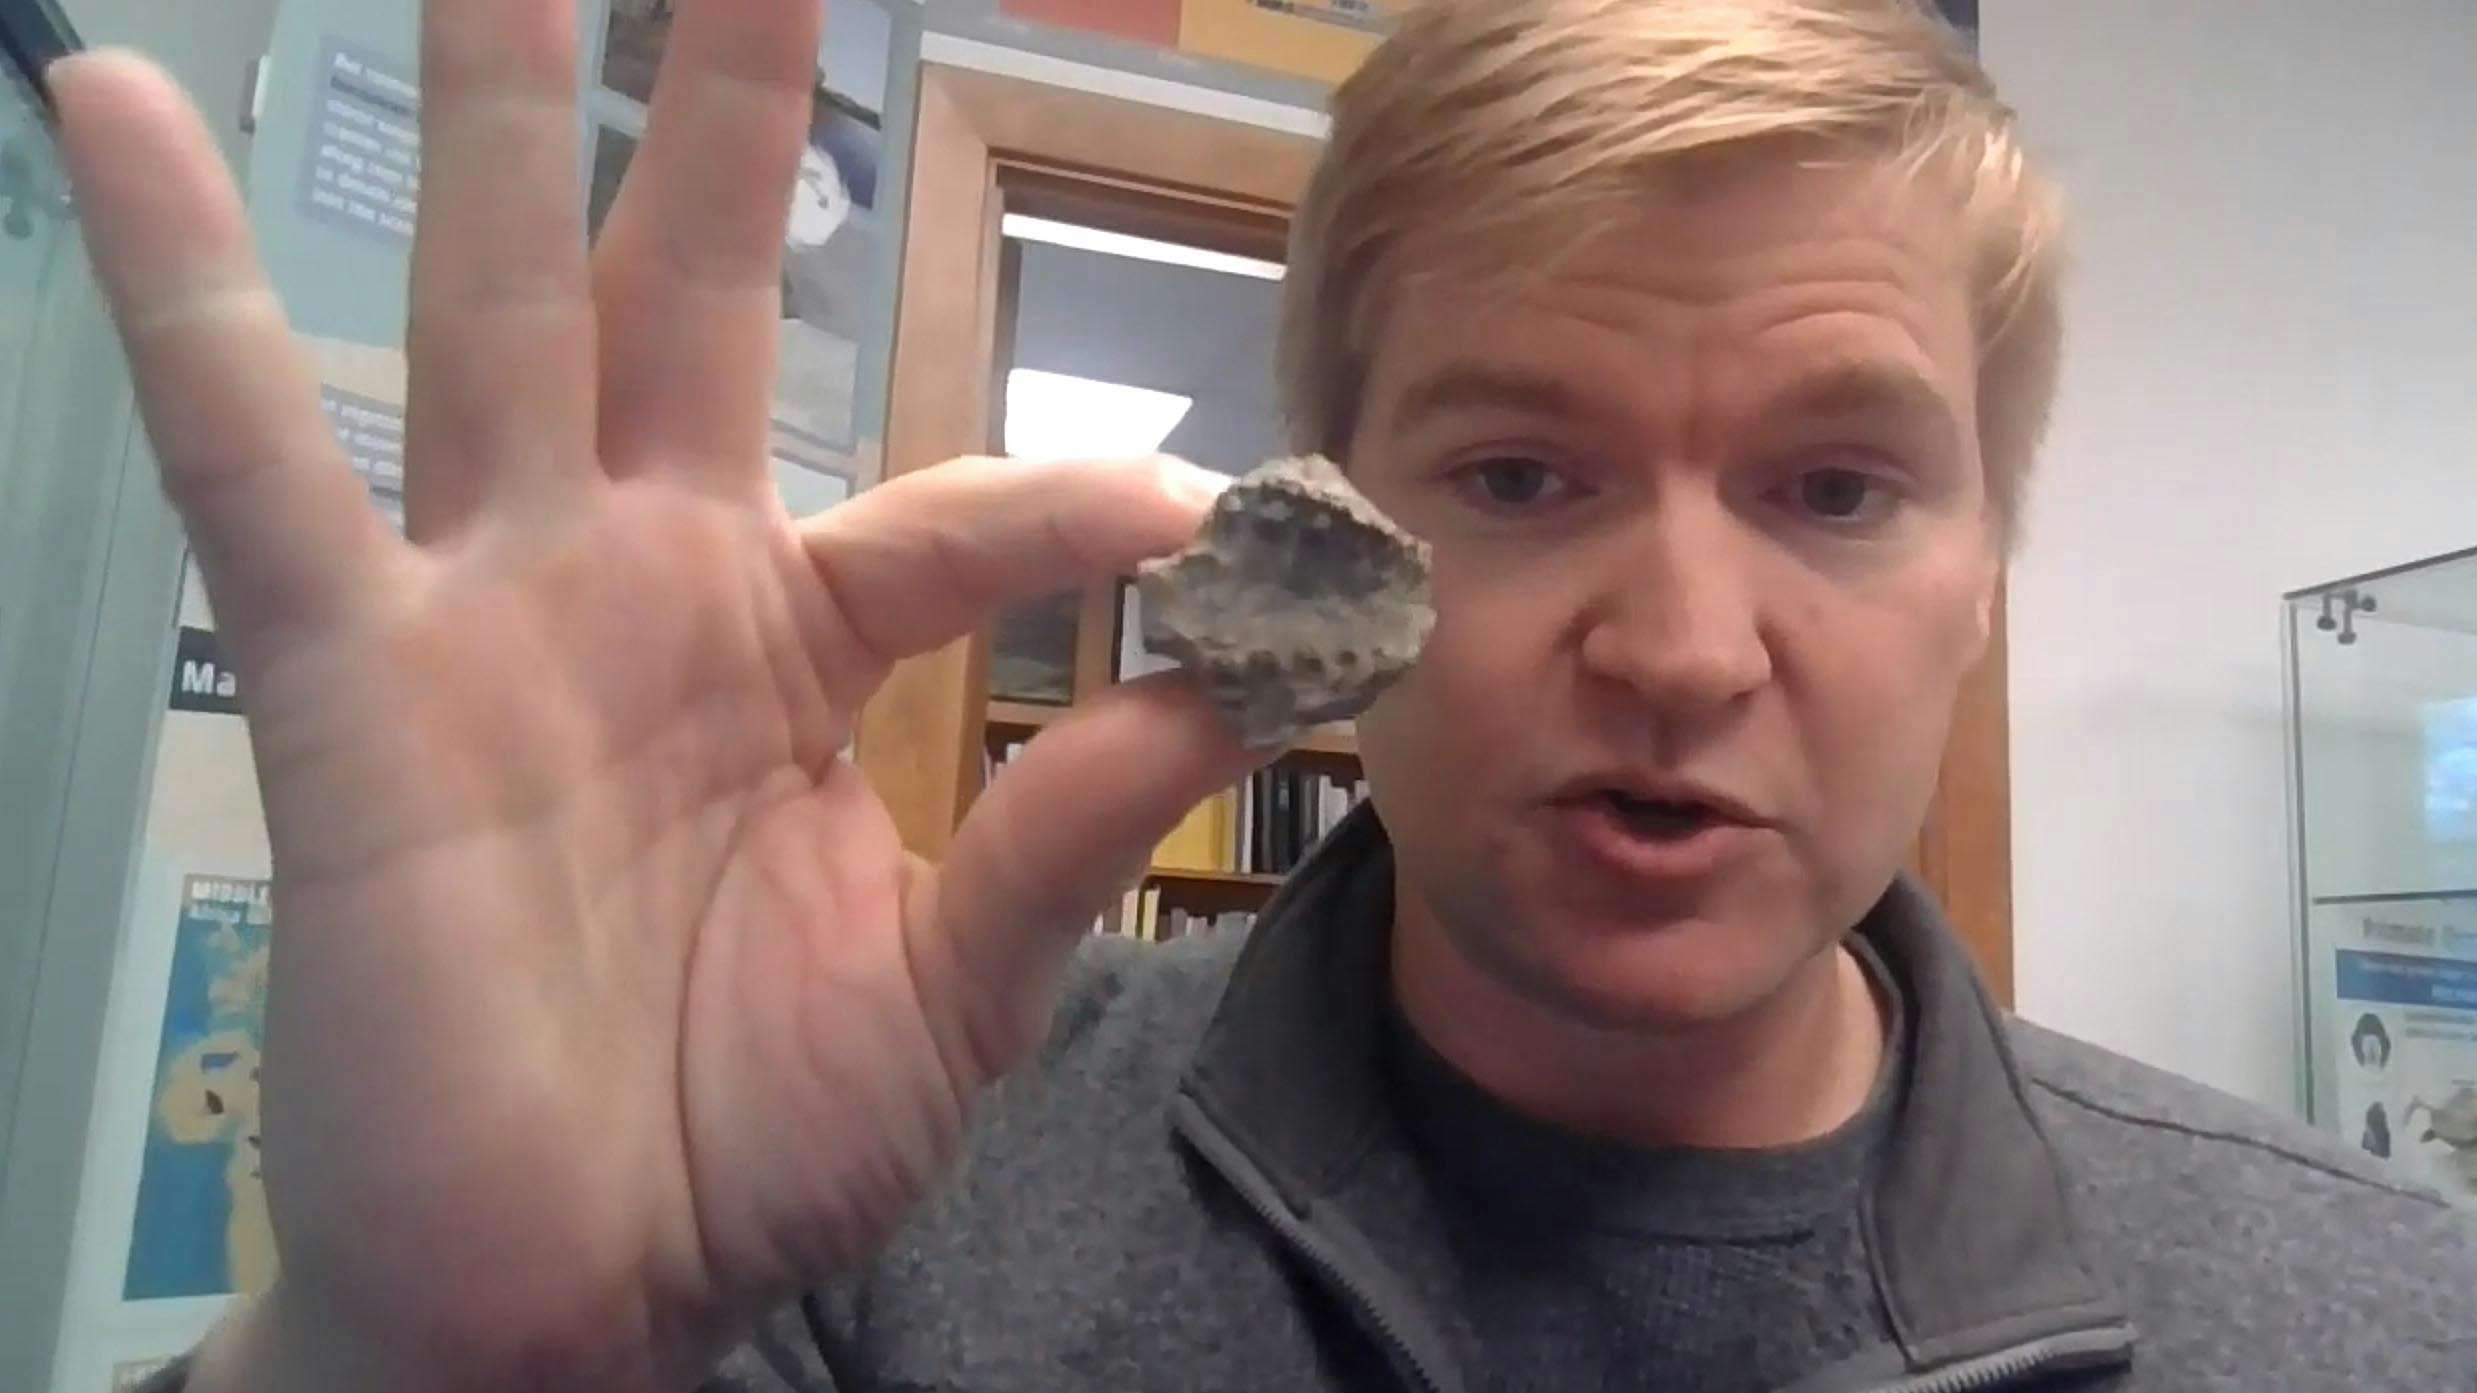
x=1284 y=810
x=1141 y=914
x=997 y=755
x=1261 y=826
x=1201 y=840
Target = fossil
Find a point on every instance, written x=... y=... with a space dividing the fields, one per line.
x=1298 y=600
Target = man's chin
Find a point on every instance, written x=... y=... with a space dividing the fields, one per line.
x=1678 y=976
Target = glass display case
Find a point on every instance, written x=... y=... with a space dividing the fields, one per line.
x=2381 y=704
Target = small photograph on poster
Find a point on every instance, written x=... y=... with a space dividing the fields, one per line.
x=200 y=1227
x=834 y=240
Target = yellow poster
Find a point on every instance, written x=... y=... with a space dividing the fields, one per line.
x=1320 y=39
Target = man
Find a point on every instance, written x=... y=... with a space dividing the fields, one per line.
x=1706 y=340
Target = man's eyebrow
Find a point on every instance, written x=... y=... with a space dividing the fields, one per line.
x=1464 y=385
x=1859 y=388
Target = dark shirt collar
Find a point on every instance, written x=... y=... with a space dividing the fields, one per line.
x=1535 y=1175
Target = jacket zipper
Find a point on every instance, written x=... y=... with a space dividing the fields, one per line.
x=1252 y=1187
x=2078 y=1349
x=1404 y=1357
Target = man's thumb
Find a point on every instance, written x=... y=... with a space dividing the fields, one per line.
x=1056 y=839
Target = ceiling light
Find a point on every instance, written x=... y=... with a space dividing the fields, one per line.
x=1050 y=415
x=1093 y=239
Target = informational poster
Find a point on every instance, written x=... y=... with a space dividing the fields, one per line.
x=1324 y=40
x=172 y=1220
x=835 y=240
x=201 y=1224
x=2399 y=1033
x=363 y=156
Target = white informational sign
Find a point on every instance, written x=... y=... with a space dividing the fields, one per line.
x=2397 y=1032
x=362 y=164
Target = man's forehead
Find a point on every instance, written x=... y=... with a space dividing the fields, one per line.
x=1723 y=213
x=1835 y=383
x=1822 y=319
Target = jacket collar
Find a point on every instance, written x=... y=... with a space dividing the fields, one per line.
x=1975 y=1251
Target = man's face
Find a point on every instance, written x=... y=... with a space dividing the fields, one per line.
x=1712 y=558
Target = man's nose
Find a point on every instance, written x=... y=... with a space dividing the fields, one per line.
x=1675 y=618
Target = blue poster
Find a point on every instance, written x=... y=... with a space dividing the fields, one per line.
x=201 y=1225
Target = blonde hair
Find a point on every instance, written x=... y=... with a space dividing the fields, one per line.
x=1512 y=123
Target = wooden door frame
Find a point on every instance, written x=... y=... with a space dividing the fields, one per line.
x=980 y=134
x=920 y=738
x=1965 y=847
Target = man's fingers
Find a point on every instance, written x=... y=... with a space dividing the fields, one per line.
x=689 y=267
x=500 y=345
x=1055 y=840
x=932 y=555
x=284 y=531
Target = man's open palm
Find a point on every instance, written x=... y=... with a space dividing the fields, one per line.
x=606 y=1005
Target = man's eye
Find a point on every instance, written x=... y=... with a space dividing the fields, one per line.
x=1842 y=495
x=1515 y=482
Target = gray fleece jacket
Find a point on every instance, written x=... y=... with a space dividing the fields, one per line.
x=1150 y=1204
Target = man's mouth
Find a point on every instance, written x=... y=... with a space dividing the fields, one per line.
x=1662 y=819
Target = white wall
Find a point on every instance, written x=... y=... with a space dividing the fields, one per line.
x=2271 y=381
x=207 y=47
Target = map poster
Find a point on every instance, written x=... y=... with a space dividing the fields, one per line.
x=201 y=1223
x=2400 y=1035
